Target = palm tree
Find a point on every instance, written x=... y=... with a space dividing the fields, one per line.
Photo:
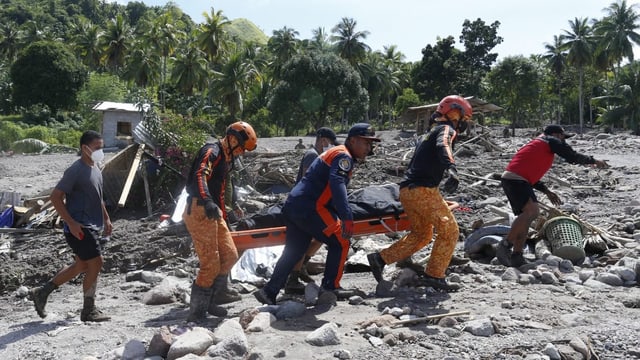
x=143 y=66
x=624 y=100
x=87 y=41
x=162 y=36
x=9 y=41
x=616 y=32
x=232 y=82
x=283 y=45
x=189 y=68
x=319 y=40
x=349 y=42
x=212 y=37
x=556 y=61
x=578 y=42
x=116 y=42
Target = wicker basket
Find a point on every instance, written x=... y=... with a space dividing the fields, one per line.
x=566 y=238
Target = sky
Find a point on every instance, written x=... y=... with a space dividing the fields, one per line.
x=525 y=25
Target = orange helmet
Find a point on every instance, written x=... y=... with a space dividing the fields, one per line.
x=245 y=134
x=452 y=102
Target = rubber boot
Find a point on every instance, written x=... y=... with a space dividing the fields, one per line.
x=376 y=263
x=200 y=298
x=91 y=313
x=213 y=308
x=40 y=295
x=224 y=294
x=293 y=285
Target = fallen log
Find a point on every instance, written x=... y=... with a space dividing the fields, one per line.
x=429 y=318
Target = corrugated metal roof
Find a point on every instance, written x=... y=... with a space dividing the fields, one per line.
x=116 y=106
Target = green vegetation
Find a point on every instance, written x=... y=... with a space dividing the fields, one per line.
x=59 y=57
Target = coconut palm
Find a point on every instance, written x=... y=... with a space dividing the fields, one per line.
x=578 y=42
x=232 y=82
x=143 y=67
x=349 y=42
x=189 y=68
x=9 y=41
x=556 y=61
x=623 y=102
x=212 y=38
x=87 y=39
x=116 y=42
x=616 y=32
x=283 y=45
x=319 y=40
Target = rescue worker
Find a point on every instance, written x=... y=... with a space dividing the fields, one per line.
x=317 y=207
x=522 y=175
x=424 y=205
x=300 y=145
x=325 y=139
x=205 y=216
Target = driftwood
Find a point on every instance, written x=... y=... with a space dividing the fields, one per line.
x=428 y=318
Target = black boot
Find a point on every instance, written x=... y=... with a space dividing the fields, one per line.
x=224 y=294
x=91 y=313
x=503 y=252
x=200 y=298
x=213 y=308
x=377 y=265
x=438 y=283
x=293 y=285
x=40 y=295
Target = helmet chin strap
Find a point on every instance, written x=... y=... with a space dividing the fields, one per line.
x=233 y=157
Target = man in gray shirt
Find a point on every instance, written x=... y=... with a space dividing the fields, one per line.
x=85 y=218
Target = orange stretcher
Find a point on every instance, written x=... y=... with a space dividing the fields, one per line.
x=255 y=238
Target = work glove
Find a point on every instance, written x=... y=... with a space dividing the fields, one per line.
x=347 y=229
x=211 y=209
x=451 y=185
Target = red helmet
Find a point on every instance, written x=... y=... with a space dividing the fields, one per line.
x=452 y=102
x=245 y=134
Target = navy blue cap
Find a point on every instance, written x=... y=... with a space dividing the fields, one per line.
x=325 y=132
x=556 y=129
x=363 y=130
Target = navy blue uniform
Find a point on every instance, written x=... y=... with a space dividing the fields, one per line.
x=314 y=209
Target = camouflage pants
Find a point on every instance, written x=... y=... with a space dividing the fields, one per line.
x=213 y=243
x=426 y=210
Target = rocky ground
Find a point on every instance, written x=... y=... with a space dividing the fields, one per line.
x=550 y=309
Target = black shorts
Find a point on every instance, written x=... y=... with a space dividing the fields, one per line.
x=87 y=248
x=518 y=192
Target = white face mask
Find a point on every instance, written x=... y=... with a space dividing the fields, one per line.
x=97 y=156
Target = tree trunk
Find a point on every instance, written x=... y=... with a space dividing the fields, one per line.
x=581 y=72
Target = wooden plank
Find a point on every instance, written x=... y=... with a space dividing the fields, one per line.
x=147 y=193
x=132 y=174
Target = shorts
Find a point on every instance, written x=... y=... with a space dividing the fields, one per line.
x=89 y=247
x=518 y=192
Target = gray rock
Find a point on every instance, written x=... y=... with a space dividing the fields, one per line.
x=325 y=335
x=568 y=353
x=375 y=341
x=511 y=275
x=609 y=279
x=598 y=285
x=566 y=266
x=232 y=344
x=290 y=309
x=454 y=333
x=133 y=276
x=160 y=342
x=311 y=292
x=151 y=277
x=356 y=300
x=580 y=346
x=261 y=322
x=507 y=304
x=548 y=278
x=551 y=351
x=526 y=279
x=134 y=350
x=342 y=354
x=163 y=293
x=195 y=341
x=586 y=274
x=625 y=273
x=390 y=339
x=480 y=327
x=22 y=292
x=553 y=260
